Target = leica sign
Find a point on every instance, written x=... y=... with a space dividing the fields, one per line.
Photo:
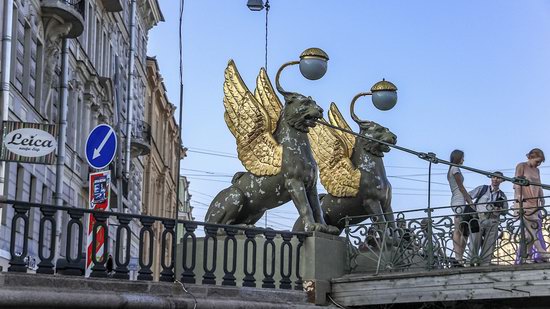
x=28 y=142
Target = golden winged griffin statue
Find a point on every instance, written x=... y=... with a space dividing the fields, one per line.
x=352 y=171
x=273 y=145
x=281 y=147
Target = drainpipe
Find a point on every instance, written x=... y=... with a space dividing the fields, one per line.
x=61 y=139
x=130 y=101
x=5 y=79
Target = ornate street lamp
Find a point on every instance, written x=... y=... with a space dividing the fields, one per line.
x=313 y=65
x=384 y=97
x=255 y=5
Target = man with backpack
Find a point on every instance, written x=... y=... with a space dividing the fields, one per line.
x=490 y=203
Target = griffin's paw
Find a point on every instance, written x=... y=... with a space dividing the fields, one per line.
x=332 y=230
x=314 y=227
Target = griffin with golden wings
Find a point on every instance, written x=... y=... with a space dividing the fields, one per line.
x=352 y=171
x=273 y=146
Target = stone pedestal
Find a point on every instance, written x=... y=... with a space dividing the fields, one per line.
x=322 y=258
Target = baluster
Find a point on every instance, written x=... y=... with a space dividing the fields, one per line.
x=285 y=282
x=74 y=266
x=249 y=279
x=100 y=230
x=229 y=277
x=17 y=262
x=46 y=266
x=268 y=281
x=209 y=277
x=298 y=284
x=145 y=272
x=121 y=269
x=188 y=275
x=167 y=273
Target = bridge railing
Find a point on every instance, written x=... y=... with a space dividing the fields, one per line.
x=205 y=253
x=425 y=239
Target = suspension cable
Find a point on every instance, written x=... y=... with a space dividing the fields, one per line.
x=266 y=30
x=432 y=157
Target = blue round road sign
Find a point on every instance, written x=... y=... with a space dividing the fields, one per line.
x=101 y=146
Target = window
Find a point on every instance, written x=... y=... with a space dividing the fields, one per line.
x=90 y=32
x=46 y=198
x=19 y=192
x=97 y=58
x=26 y=65
x=20 y=183
x=14 y=42
x=21 y=30
x=71 y=114
x=105 y=66
x=110 y=72
x=33 y=210
x=80 y=127
x=38 y=73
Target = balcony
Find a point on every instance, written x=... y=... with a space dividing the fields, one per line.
x=67 y=12
x=141 y=139
x=112 y=5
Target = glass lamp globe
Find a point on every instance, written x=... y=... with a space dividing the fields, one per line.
x=384 y=95
x=313 y=63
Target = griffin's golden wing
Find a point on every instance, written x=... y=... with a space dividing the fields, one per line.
x=338 y=174
x=266 y=96
x=251 y=124
x=336 y=119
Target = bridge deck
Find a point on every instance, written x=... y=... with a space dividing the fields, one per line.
x=472 y=283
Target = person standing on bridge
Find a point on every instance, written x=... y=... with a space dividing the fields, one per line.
x=531 y=199
x=459 y=199
x=490 y=204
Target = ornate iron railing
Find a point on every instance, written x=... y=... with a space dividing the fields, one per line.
x=422 y=239
x=278 y=252
x=78 y=5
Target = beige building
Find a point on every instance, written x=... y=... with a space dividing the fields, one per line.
x=160 y=181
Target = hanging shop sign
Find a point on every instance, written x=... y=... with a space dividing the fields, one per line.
x=28 y=142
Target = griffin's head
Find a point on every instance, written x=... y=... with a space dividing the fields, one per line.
x=376 y=131
x=301 y=112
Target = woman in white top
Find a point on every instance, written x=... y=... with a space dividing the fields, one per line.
x=459 y=198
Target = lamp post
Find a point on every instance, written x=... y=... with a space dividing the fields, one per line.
x=384 y=97
x=255 y=5
x=313 y=65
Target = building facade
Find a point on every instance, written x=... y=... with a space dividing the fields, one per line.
x=105 y=52
x=186 y=210
x=161 y=164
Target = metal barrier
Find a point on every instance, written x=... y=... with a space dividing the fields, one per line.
x=422 y=239
x=233 y=239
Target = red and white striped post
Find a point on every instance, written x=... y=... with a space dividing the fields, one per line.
x=100 y=187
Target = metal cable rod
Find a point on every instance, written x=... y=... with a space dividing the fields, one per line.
x=432 y=157
x=444 y=207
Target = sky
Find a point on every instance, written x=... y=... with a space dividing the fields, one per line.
x=471 y=75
